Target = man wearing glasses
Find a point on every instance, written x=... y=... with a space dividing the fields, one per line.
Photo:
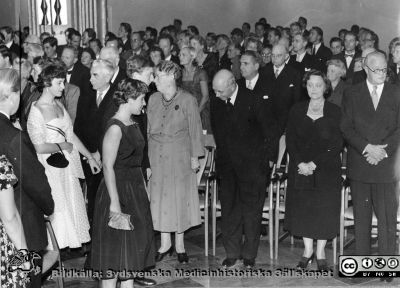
x=371 y=127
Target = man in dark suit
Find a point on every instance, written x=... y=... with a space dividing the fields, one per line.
x=372 y=132
x=302 y=61
x=319 y=50
x=260 y=32
x=285 y=85
x=111 y=54
x=165 y=42
x=32 y=192
x=245 y=136
x=395 y=67
x=349 y=55
x=8 y=35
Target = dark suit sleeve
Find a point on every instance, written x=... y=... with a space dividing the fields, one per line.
x=393 y=139
x=347 y=126
x=294 y=153
x=269 y=126
x=32 y=177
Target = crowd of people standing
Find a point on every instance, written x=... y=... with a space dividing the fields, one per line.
x=125 y=122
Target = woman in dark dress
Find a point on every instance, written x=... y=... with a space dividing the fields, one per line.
x=314 y=143
x=130 y=247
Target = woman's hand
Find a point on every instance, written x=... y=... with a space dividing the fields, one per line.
x=115 y=207
x=67 y=146
x=195 y=164
x=94 y=166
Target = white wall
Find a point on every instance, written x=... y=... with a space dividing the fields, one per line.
x=382 y=16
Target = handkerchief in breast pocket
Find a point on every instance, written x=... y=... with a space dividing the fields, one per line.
x=265 y=97
x=291 y=85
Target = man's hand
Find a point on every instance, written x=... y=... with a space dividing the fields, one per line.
x=375 y=153
x=304 y=169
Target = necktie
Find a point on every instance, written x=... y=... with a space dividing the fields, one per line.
x=69 y=72
x=374 y=96
x=229 y=103
x=276 y=73
x=249 y=85
x=313 y=50
x=99 y=98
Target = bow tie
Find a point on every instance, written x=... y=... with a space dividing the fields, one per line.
x=349 y=55
x=69 y=72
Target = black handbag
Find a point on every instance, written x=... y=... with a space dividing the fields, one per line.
x=57 y=159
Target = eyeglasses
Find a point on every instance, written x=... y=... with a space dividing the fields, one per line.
x=380 y=71
x=266 y=55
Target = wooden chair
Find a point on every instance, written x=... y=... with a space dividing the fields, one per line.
x=52 y=256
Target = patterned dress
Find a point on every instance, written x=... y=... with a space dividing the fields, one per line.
x=7 y=248
x=69 y=220
x=174 y=136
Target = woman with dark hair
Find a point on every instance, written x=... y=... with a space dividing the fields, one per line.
x=50 y=129
x=148 y=44
x=128 y=244
x=314 y=143
x=156 y=55
x=87 y=57
x=175 y=143
x=195 y=81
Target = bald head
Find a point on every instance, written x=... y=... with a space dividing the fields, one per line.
x=110 y=54
x=224 y=84
x=375 y=66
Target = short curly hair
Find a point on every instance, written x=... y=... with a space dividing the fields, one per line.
x=313 y=72
x=136 y=64
x=129 y=89
x=170 y=67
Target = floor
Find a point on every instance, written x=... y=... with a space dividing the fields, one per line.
x=198 y=263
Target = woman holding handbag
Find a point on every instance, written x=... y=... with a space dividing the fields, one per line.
x=50 y=129
x=123 y=237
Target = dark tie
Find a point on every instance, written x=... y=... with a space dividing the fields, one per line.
x=313 y=50
x=69 y=72
x=229 y=104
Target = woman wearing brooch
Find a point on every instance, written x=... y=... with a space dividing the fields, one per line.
x=175 y=143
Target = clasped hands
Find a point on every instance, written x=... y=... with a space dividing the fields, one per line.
x=375 y=153
x=306 y=169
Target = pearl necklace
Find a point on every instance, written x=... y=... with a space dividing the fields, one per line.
x=166 y=103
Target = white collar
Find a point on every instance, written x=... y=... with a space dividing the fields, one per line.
x=9 y=44
x=104 y=92
x=317 y=46
x=232 y=99
x=253 y=81
x=379 y=88
x=300 y=57
x=115 y=75
x=280 y=68
x=168 y=58
x=5 y=114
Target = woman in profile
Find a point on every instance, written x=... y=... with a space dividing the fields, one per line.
x=50 y=129
x=175 y=143
x=123 y=238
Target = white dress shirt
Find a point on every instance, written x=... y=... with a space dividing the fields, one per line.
x=299 y=57
x=100 y=95
x=379 y=89
x=280 y=68
x=316 y=47
x=252 y=82
x=232 y=99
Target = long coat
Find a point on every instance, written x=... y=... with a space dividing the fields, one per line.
x=174 y=136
